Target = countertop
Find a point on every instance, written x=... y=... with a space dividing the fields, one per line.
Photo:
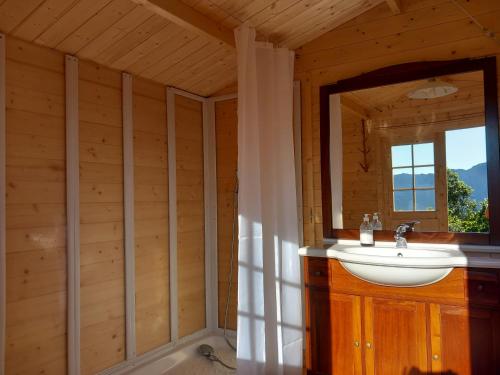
x=452 y=255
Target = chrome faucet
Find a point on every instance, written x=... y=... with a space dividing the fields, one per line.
x=401 y=230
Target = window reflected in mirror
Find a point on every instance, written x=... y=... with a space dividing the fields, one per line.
x=467 y=180
x=413 y=177
x=413 y=151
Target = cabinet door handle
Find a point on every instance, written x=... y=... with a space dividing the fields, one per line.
x=369 y=345
x=356 y=344
x=435 y=357
x=480 y=287
x=318 y=273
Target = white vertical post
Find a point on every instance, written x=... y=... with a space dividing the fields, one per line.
x=172 y=204
x=128 y=193
x=3 y=268
x=210 y=198
x=336 y=159
x=73 y=214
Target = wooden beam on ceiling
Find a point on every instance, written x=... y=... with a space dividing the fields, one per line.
x=354 y=107
x=395 y=6
x=185 y=16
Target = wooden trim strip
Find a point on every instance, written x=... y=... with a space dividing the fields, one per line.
x=369 y=346
x=172 y=209
x=210 y=197
x=358 y=334
x=297 y=129
x=73 y=213
x=435 y=335
x=125 y=367
x=222 y=98
x=186 y=94
x=492 y=146
x=128 y=194
x=3 y=230
x=429 y=237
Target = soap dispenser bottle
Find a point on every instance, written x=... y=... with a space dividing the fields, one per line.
x=377 y=224
x=366 y=232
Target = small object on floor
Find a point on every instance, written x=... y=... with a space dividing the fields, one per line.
x=209 y=352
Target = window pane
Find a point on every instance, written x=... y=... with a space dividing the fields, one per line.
x=424 y=177
x=425 y=200
x=403 y=200
x=402 y=178
x=423 y=154
x=467 y=179
x=401 y=156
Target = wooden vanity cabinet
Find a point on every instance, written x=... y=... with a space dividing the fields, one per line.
x=319 y=333
x=464 y=340
x=355 y=327
x=395 y=336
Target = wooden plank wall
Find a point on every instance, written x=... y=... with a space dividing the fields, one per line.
x=226 y=130
x=359 y=195
x=190 y=215
x=36 y=211
x=101 y=219
x=426 y=30
x=36 y=214
x=151 y=216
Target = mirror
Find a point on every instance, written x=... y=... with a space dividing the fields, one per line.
x=414 y=150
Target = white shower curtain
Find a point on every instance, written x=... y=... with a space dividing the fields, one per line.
x=269 y=285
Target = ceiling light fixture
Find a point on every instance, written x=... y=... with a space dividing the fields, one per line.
x=433 y=88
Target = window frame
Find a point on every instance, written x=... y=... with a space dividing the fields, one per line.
x=414 y=188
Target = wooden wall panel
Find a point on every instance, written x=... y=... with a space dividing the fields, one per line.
x=190 y=215
x=426 y=30
x=35 y=211
x=101 y=219
x=359 y=187
x=151 y=216
x=226 y=130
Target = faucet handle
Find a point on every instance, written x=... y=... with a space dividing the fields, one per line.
x=404 y=227
x=411 y=224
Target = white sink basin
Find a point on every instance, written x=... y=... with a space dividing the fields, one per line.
x=397 y=267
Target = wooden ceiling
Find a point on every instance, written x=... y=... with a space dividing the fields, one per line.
x=390 y=106
x=187 y=44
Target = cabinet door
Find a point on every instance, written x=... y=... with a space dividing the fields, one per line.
x=319 y=331
x=465 y=340
x=395 y=337
x=345 y=313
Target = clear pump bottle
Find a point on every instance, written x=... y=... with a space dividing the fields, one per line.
x=377 y=224
x=366 y=232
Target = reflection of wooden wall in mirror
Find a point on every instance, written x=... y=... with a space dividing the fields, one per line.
x=380 y=98
x=359 y=193
x=390 y=117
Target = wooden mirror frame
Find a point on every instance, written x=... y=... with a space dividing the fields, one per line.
x=412 y=72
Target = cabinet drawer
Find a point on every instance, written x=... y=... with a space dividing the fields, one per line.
x=317 y=272
x=450 y=290
x=482 y=286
